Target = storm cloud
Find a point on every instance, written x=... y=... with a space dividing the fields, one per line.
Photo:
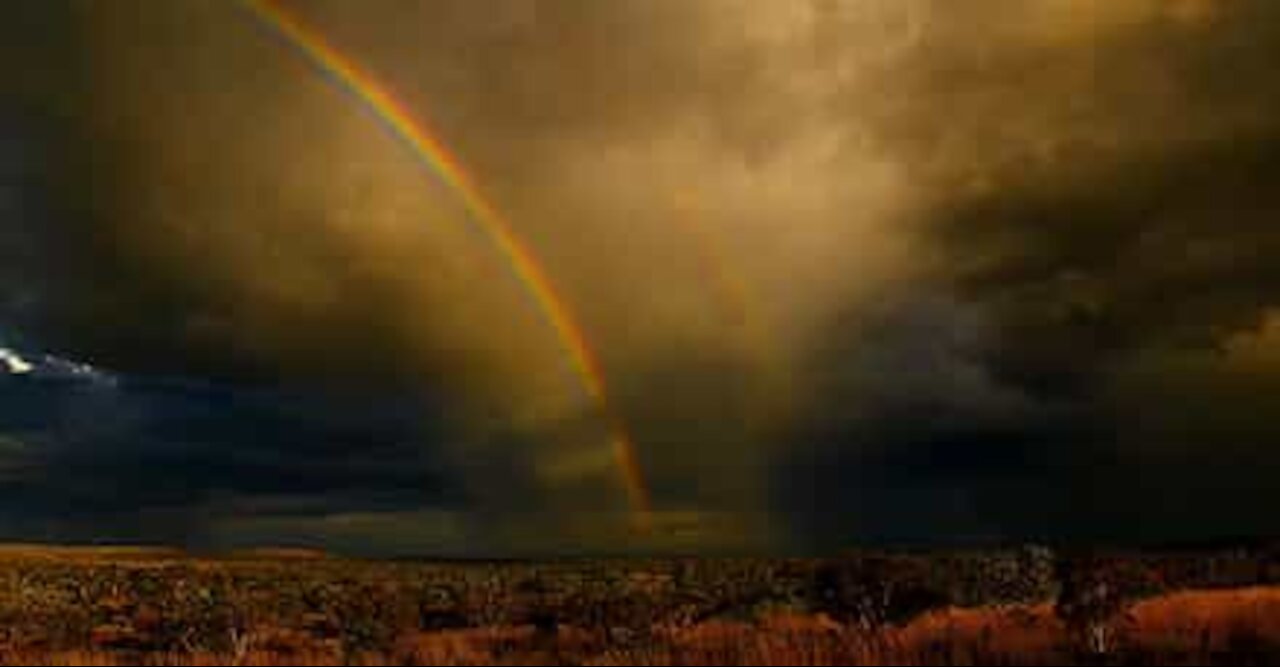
x=854 y=270
x=1101 y=219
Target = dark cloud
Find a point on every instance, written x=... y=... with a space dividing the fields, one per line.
x=94 y=449
x=909 y=271
x=912 y=438
x=1106 y=240
x=1167 y=252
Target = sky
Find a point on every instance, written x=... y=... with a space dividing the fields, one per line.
x=792 y=276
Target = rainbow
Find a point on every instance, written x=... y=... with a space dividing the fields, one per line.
x=738 y=303
x=432 y=154
x=740 y=308
x=731 y=290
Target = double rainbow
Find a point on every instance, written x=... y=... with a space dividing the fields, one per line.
x=435 y=156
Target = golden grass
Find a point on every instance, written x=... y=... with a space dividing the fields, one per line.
x=1199 y=623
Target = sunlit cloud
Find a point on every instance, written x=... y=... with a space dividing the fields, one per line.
x=876 y=265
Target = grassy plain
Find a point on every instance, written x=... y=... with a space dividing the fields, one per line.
x=138 y=606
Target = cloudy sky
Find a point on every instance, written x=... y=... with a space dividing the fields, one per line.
x=854 y=271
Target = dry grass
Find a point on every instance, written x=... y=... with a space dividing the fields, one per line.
x=1222 y=627
x=952 y=637
x=1187 y=627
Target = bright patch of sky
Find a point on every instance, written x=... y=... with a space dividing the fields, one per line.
x=14 y=364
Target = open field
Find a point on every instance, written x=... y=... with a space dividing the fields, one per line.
x=1024 y=606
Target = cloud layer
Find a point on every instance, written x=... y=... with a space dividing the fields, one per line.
x=896 y=271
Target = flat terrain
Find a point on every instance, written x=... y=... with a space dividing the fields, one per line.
x=1032 y=606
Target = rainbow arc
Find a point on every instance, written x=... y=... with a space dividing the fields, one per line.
x=412 y=130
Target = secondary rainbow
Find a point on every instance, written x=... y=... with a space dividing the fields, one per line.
x=730 y=287
x=432 y=153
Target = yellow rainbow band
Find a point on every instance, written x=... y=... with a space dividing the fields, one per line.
x=436 y=157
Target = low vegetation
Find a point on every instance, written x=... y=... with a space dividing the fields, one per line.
x=1025 y=606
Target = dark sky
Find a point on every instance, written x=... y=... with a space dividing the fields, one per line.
x=856 y=271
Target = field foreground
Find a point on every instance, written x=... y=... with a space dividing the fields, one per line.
x=137 y=607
